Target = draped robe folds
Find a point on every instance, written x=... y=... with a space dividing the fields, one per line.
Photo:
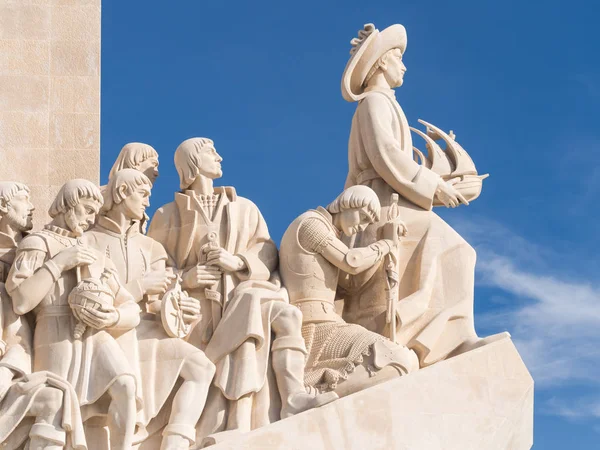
x=159 y=357
x=240 y=345
x=92 y=364
x=17 y=399
x=436 y=265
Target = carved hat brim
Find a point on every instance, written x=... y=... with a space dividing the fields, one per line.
x=366 y=55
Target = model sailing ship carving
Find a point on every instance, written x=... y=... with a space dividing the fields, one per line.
x=452 y=163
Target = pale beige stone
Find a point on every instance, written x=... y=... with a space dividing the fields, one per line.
x=43 y=397
x=23 y=130
x=75 y=94
x=75 y=58
x=48 y=111
x=72 y=2
x=29 y=166
x=24 y=93
x=24 y=57
x=76 y=23
x=463 y=403
x=18 y=21
x=83 y=162
x=74 y=131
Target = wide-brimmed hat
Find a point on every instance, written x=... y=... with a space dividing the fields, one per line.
x=370 y=45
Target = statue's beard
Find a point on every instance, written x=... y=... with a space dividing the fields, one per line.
x=73 y=224
x=18 y=222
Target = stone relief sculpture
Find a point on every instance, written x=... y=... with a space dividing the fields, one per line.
x=201 y=331
x=220 y=245
x=141 y=157
x=42 y=277
x=40 y=406
x=436 y=266
x=342 y=357
x=161 y=360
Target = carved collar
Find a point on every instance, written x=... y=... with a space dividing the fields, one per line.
x=61 y=231
x=229 y=191
x=113 y=227
x=387 y=92
x=6 y=241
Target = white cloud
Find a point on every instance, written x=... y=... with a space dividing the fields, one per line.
x=580 y=409
x=554 y=318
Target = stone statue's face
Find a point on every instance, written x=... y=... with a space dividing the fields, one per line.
x=82 y=216
x=135 y=204
x=20 y=212
x=149 y=168
x=394 y=68
x=353 y=221
x=210 y=163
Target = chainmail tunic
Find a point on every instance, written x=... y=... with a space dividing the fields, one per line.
x=335 y=349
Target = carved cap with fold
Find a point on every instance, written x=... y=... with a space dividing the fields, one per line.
x=370 y=45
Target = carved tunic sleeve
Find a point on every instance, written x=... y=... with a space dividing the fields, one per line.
x=31 y=276
x=314 y=235
x=390 y=160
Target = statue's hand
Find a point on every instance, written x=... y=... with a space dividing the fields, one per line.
x=75 y=256
x=449 y=195
x=394 y=230
x=157 y=281
x=190 y=307
x=105 y=317
x=201 y=276
x=225 y=260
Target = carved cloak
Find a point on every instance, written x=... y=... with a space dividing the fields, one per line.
x=240 y=345
x=435 y=309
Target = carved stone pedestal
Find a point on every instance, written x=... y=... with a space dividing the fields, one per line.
x=481 y=400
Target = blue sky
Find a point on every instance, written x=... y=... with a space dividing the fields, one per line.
x=518 y=82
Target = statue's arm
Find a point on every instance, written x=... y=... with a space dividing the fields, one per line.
x=356 y=260
x=315 y=236
x=31 y=277
x=18 y=338
x=125 y=304
x=393 y=163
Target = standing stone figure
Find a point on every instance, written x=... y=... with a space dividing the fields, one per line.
x=436 y=265
x=30 y=405
x=140 y=264
x=341 y=356
x=220 y=244
x=42 y=277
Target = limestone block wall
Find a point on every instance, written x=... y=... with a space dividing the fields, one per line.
x=49 y=95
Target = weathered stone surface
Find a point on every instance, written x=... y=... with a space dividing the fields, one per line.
x=49 y=94
x=479 y=400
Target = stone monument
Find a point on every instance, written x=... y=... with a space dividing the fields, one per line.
x=201 y=332
x=49 y=95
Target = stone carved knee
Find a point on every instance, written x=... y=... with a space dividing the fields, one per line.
x=198 y=368
x=49 y=402
x=124 y=386
x=288 y=321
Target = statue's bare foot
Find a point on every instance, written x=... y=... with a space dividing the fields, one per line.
x=303 y=401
